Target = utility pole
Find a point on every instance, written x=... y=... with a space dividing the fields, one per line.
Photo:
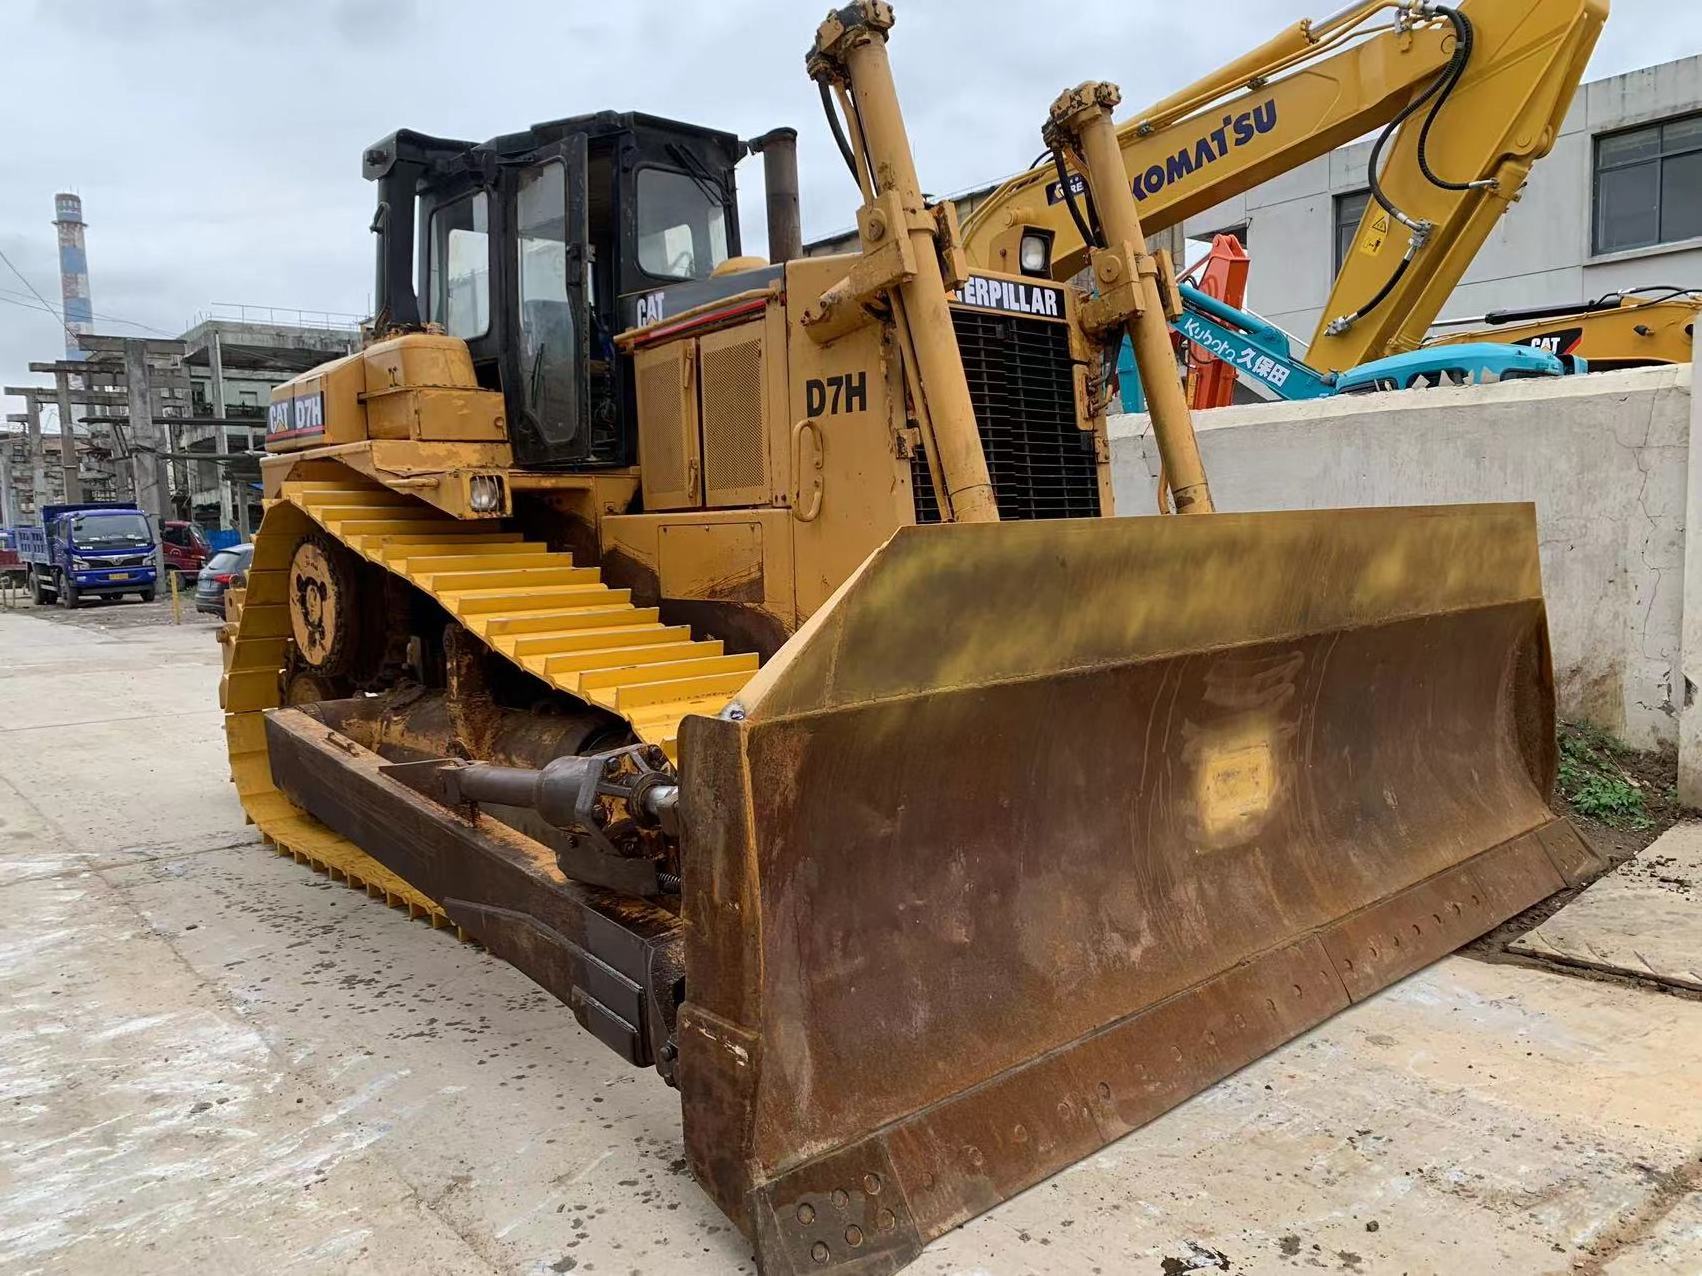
x=146 y=459
x=8 y=497
x=80 y=389
x=67 y=439
x=38 y=461
x=165 y=439
x=216 y=358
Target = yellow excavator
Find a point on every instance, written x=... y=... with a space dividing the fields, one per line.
x=1463 y=101
x=749 y=655
x=1633 y=329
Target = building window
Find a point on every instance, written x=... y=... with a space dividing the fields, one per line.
x=1350 y=208
x=1648 y=185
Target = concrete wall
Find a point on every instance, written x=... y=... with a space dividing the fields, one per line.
x=1539 y=253
x=1606 y=459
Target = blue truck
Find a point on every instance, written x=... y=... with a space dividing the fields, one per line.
x=94 y=550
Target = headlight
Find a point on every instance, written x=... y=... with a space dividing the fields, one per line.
x=1035 y=255
x=484 y=493
x=82 y=564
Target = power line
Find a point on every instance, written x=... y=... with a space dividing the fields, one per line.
x=39 y=297
x=12 y=299
x=13 y=292
x=9 y=297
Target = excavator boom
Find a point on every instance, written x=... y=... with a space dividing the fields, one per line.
x=1498 y=98
x=1628 y=330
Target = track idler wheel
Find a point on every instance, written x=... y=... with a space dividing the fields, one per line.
x=325 y=613
x=307 y=686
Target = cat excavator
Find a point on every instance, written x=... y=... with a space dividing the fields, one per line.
x=1637 y=328
x=750 y=655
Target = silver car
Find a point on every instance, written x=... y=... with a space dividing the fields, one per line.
x=226 y=568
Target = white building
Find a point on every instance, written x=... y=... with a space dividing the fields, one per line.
x=1616 y=205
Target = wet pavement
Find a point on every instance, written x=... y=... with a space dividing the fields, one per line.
x=214 y=1060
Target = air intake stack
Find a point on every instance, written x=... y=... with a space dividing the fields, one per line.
x=779 y=151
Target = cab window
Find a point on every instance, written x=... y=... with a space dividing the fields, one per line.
x=682 y=227
x=461 y=266
x=549 y=338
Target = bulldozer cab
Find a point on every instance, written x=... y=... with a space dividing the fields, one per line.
x=537 y=247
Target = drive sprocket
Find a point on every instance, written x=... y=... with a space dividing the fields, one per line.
x=325 y=613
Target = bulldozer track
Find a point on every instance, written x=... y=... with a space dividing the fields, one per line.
x=527 y=603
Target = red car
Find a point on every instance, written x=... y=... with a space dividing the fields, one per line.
x=186 y=549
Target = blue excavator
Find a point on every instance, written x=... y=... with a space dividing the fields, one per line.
x=1242 y=343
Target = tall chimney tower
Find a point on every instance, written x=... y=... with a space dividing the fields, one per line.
x=73 y=271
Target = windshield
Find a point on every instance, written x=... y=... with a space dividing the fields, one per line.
x=109 y=531
x=682 y=228
x=230 y=559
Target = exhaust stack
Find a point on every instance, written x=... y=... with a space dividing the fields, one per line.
x=779 y=151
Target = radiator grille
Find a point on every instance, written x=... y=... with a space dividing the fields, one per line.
x=1020 y=380
x=733 y=468
x=661 y=432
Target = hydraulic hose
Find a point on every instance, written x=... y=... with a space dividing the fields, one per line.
x=838 y=132
x=1456 y=68
x=1089 y=236
x=1338 y=326
x=1436 y=93
x=1094 y=237
x=1436 y=96
x=1664 y=292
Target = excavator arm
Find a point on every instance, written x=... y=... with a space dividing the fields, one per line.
x=1465 y=119
x=1620 y=330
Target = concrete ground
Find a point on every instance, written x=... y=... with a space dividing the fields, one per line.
x=1644 y=919
x=213 y=1060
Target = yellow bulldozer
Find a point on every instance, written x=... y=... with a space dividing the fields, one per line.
x=748 y=653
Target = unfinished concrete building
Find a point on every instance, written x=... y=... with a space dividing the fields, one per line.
x=206 y=394
x=232 y=359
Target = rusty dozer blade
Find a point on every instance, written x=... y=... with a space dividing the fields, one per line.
x=1037 y=829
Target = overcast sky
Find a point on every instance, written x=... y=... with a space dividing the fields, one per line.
x=216 y=143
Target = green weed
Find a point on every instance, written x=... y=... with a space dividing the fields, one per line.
x=1594 y=784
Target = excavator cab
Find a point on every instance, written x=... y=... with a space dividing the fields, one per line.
x=537 y=247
